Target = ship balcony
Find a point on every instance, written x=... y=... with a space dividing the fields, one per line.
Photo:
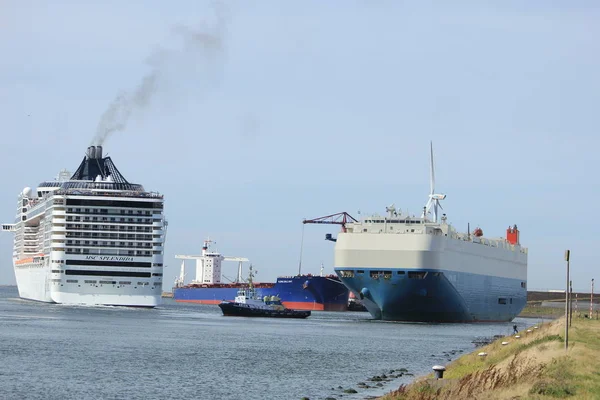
x=157 y=223
x=158 y=248
x=58 y=236
x=56 y=213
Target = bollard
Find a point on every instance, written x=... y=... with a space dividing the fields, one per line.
x=439 y=371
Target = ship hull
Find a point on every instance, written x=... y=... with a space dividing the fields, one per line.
x=435 y=299
x=232 y=309
x=426 y=278
x=111 y=296
x=33 y=282
x=303 y=292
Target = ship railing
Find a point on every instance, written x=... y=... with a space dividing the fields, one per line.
x=73 y=191
x=36 y=207
x=499 y=243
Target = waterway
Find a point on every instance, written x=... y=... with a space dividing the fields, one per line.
x=53 y=351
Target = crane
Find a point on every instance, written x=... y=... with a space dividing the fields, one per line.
x=341 y=218
x=240 y=260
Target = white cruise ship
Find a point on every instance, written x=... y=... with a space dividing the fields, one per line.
x=91 y=238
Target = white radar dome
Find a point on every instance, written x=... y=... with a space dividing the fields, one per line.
x=26 y=192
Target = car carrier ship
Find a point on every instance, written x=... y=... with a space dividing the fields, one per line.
x=407 y=268
x=300 y=292
x=90 y=238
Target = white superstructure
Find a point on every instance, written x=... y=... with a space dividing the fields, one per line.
x=208 y=266
x=401 y=241
x=91 y=238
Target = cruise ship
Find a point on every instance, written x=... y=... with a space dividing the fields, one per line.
x=89 y=238
x=421 y=269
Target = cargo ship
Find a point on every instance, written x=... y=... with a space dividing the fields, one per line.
x=408 y=268
x=300 y=292
x=248 y=303
x=90 y=238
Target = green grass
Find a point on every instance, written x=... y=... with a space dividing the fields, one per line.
x=511 y=372
x=471 y=363
x=539 y=311
x=544 y=339
x=552 y=389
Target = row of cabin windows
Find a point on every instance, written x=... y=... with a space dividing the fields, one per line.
x=123 y=283
x=105 y=211
x=387 y=274
x=119 y=236
x=129 y=252
x=95 y=243
x=114 y=203
x=92 y=282
x=111 y=219
x=110 y=228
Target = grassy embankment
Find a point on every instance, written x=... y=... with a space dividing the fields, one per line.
x=534 y=309
x=534 y=366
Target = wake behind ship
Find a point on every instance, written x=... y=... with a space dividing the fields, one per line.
x=407 y=268
x=91 y=238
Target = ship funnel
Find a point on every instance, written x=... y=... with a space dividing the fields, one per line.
x=94 y=152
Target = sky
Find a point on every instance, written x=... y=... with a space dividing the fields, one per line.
x=265 y=113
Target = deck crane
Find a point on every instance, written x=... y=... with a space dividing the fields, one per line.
x=208 y=266
x=341 y=218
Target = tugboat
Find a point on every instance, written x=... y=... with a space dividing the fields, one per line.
x=247 y=303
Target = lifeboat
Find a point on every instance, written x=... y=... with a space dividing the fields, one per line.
x=478 y=232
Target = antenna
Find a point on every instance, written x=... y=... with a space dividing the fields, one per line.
x=434 y=199
x=391 y=210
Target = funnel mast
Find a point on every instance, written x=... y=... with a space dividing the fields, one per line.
x=180 y=280
x=434 y=199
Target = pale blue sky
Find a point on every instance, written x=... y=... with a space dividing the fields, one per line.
x=317 y=107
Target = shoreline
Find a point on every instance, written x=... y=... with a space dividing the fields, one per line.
x=530 y=364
